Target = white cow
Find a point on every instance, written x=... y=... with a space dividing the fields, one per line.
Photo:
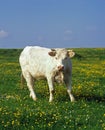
x=52 y=64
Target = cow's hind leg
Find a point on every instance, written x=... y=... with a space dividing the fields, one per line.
x=70 y=94
x=69 y=87
x=30 y=84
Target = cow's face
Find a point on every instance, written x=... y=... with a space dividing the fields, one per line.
x=60 y=56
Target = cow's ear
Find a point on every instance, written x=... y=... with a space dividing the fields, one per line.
x=52 y=52
x=71 y=53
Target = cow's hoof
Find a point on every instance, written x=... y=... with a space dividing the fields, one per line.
x=73 y=99
x=50 y=100
x=35 y=99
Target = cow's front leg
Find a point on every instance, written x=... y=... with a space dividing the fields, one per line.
x=51 y=88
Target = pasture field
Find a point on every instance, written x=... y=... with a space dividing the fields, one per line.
x=19 y=112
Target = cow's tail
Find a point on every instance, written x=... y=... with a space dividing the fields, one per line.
x=22 y=81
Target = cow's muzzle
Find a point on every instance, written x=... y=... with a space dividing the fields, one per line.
x=60 y=68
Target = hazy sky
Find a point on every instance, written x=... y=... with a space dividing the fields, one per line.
x=52 y=23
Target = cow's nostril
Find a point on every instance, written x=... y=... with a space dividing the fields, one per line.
x=61 y=68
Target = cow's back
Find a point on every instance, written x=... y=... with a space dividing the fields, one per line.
x=34 y=60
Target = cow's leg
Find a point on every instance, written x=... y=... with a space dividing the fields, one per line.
x=51 y=88
x=30 y=84
x=69 y=87
x=70 y=94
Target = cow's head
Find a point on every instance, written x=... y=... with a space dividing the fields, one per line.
x=69 y=53
x=60 y=56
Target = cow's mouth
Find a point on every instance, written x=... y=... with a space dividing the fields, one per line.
x=59 y=77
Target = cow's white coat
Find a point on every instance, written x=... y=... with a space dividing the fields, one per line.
x=52 y=64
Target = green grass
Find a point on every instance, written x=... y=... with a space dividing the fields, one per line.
x=18 y=111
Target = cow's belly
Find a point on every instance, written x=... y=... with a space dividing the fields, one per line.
x=37 y=74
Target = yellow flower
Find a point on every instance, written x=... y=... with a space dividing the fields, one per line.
x=0 y=108
x=13 y=122
x=49 y=124
x=79 y=87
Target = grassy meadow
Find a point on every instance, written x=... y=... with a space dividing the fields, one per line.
x=19 y=112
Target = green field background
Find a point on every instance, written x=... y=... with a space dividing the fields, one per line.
x=19 y=112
